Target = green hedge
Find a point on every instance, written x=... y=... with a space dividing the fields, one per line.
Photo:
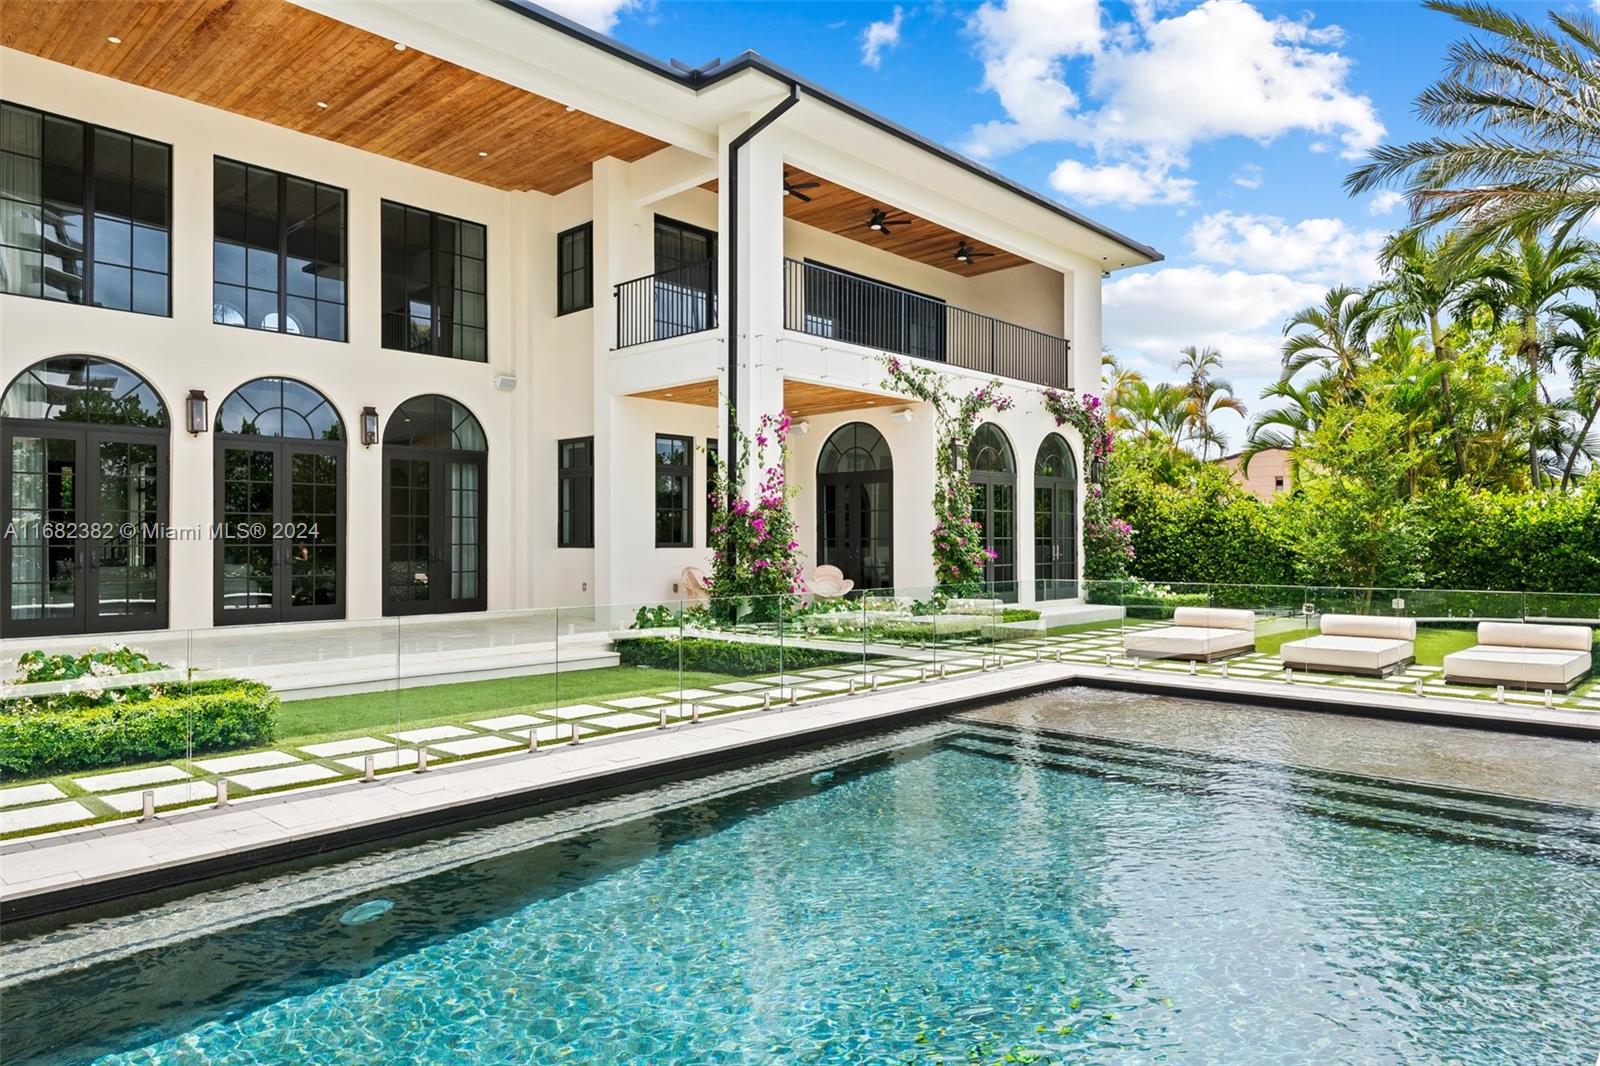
x=219 y=715
x=709 y=655
x=1210 y=530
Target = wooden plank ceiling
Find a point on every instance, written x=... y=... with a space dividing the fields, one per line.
x=801 y=399
x=844 y=211
x=272 y=61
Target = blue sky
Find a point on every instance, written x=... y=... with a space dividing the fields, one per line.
x=1220 y=131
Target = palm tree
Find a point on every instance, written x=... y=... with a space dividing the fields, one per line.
x=1578 y=342
x=1422 y=281
x=1522 y=283
x=1523 y=141
x=1285 y=425
x=1331 y=335
x=1204 y=395
x=1115 y=380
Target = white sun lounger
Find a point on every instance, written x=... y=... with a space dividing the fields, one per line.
x=1524 y=654
x=1370 y=645
x=1196 y=633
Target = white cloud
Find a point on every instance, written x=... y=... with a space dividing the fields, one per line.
x=599 y=15
x=1120 y=184
x=1325 y=250
x=878 y=36
x=1248 y=176
x=1158 y=86
x=1385 y=201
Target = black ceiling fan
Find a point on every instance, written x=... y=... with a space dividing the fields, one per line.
x=965 y=254
x=792 y=188
x=881 y=221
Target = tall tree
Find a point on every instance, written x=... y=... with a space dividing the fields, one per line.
x=1286 y=424
x=1577 y=342
x=1522 y=284
x=1522 y=141
x=1330 y=335
x=1204 y=395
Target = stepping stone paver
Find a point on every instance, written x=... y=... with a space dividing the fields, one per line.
x=474 y=745
x=547 y=733
x=576 y=710
x=740 y=686
x=252 y=761
x=621 y=720
x=38 y=817
x=15 y=797
x=285 y=775
x=130 y=778
x=383 y=760
x=346 y=747
x=432 y=733
x=166 y=796
x=507 y=721
x=688 y=694
x=737 y=702
x=633 y=703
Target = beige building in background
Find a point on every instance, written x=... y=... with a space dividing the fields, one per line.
x=1268 y=475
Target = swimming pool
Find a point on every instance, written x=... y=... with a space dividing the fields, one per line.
x=952 y=893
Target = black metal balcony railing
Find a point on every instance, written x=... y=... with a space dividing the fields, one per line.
x=666 y=304
x=825 y=302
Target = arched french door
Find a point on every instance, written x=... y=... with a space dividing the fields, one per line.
x=280 y=448
x=1055 y=521
x=435 y=462
x=83 y=461
x=855 y=506
x=994 y=507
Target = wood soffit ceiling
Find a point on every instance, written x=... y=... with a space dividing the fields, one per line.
x=272 y=61
x=844 y=211
x=800 y=398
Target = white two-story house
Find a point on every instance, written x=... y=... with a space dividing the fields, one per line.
x=377 y=307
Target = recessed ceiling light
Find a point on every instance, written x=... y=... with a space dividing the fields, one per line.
x=398 y=47
x=323 y=104
x=483 y=155
x=570 y=108
x=114 y=40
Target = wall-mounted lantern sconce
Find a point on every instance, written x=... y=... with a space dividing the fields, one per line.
x=958 y=452
x=369 y=426
x=196 y=408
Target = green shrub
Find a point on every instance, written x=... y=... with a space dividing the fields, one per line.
x=210 y=715
x=99 y=668
x=709 y=655
x=1019 y=614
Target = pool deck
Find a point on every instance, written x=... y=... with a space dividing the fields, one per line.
x=75 y=867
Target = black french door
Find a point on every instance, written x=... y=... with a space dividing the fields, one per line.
x=994 y=509
x=84 y=516
x=855 y=526
x=1055 y=542
x=435 y=528
x=280 y=536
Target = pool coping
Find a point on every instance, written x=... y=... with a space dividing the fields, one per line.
x=57 y=872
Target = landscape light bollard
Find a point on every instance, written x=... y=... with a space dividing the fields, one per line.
x=766 y=701
x=369 y=769
x=850 y=688
x=149 y=799
x=694 y=713
x=1549 y=698
x=1419 y=687
x=422 y=760
x=1499 y=693
x=663 y=724
x=874 y=682
x=922 y=675
x=1288 y=676
x=533 y=740
x=1224 y=669
x=794 y=697
x=944 y=671
x=222 y=792
x=1194 y=668
x=575 y=735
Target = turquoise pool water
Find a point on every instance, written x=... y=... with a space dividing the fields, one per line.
x=979 y=894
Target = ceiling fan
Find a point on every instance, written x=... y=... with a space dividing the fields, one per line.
x=881 y=221
x=965 y=254
x=792 y=188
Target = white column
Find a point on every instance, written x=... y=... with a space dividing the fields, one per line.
x=1083 y=326
x=611 y=495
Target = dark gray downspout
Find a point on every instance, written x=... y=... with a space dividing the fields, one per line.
x=730 y=448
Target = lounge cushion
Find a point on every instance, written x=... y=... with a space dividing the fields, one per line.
x=1214 y=618
x=1369 y=625
x=1364 y=654
x=1536 y=668
x=1188 y=642
x=1535 y=635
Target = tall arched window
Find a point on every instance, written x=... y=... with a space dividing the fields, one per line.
x=855 y=506
x=435 y=461
x=1055 y=520
x=280 y=504
x=994 y=506
x=83 y=458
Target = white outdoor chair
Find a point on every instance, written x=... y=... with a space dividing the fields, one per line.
x=829 y=583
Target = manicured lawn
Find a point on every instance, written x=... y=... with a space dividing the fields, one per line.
x=307 y=721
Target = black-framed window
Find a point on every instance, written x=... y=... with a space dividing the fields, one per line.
x=713 y=453
x=435 y=284
x=679 y=244
x=278 y=254
x=575 y=269
x=674 y=491
x=85 y=213
x=575 y=493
